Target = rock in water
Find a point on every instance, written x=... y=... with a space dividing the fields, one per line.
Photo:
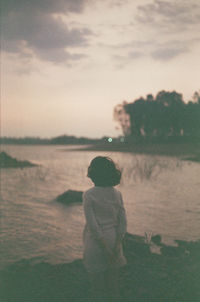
x=70 y=196
x=6 y=161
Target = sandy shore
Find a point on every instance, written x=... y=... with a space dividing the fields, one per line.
x=172 y=276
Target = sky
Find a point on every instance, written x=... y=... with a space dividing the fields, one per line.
x=67 y=63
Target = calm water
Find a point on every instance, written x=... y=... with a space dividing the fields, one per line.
x=161 y=196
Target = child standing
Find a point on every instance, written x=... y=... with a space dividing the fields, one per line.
x=104 y=230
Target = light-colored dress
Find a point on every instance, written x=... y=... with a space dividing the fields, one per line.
x=105 y=217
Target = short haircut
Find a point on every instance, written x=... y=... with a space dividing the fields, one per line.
x=103 y=172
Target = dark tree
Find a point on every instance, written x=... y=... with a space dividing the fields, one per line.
x=164 y=116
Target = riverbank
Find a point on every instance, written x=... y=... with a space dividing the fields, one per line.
x=7 y=161
x=165 y=149
x=173 y=275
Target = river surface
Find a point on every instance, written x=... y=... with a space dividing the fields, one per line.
x=161 y=196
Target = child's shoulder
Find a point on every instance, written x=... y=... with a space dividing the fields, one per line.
x=100 y=190
x=89 y=191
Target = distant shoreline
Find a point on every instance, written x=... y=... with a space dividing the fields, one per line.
x=186 y=150
x=164 y=149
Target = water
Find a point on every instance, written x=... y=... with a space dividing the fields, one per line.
x=161 y=196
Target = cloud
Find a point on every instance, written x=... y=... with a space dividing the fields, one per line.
x=158 y=51
x=122 y=61
x=60 y=55
x=166 y=54
x=132 y=44
x=169 y=15
x=118 y=3
x=165 y=30
x=31 y=28
x=135 y=54
x=44 y=6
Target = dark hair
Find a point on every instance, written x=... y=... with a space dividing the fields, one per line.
x=103 y=172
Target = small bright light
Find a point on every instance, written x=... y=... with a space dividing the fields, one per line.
x=110 y=140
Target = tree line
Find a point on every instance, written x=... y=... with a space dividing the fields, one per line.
x=59 y=140
x=164 y=116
